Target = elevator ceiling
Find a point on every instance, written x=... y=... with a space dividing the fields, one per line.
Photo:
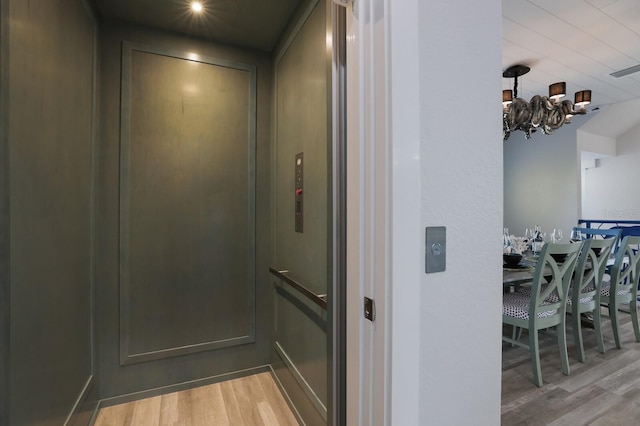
x=255 y=24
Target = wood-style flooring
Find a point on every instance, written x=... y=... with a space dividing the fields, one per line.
x=248 y=401
x=604 y=390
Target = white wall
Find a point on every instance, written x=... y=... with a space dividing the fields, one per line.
x=461 y=188
x=629 y=142
x=542 y=180
x=419 y=156
x=545 y=184
x=603 y=146
x=611 y=188
x=384 y=241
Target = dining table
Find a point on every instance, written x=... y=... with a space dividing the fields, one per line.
x=522 y=273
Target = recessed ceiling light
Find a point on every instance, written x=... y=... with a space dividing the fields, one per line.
x=196 y=6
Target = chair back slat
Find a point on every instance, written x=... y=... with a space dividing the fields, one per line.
x=625 y=271
x=590 y=268
x=591 y=233
x=552 y=278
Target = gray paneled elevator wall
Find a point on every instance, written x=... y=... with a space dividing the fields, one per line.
x=187 y=214
x=302 y=99
x=48 y=54
x=184 y=166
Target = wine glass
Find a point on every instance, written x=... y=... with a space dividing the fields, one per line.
x=539 y=242
x=529 y=235
x=558 y=234
x=506 y=239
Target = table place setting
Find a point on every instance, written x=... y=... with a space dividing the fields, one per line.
x=521 y=253
x=513 y=254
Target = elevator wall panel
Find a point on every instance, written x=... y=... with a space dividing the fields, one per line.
x=302 y=79
x=187 y=205
x=301 y=126
x=49 y=119
x=183 y=197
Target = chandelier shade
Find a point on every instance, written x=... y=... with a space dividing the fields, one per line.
x=546 y=113
x=557 y=90
x=507 y=97
x=583 y=98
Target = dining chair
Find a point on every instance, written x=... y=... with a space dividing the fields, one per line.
x=585 y=286
x=589 y=233
x=623 y=286
x=633 y=230
x=546 y=304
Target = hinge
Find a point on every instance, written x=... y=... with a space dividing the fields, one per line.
x=369 y=309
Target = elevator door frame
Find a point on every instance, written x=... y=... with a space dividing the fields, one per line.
x=337 y=311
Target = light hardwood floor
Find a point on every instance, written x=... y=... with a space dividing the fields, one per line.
x=604 y=390
x=248 y=401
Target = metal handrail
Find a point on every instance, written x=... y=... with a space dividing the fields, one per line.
x=318 y=299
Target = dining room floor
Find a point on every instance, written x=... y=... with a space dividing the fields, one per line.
x=604 y=390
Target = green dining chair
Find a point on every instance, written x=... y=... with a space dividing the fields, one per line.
x=598 y=233
x=622 y=288
x=585 y=285
x=546 y=304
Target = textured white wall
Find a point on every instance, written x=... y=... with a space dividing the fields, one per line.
x=611 y=188
x=542 y=181
x=597 y=144
x=461 y=188
x=384 y=244
x=416 y=140
x=629 y=142
x=406 y=254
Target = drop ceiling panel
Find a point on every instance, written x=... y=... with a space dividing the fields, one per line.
x=577 y=41
x=626 y=12
x=580 y=42
x=594 y=22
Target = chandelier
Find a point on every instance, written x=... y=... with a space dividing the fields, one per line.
x=544 y=112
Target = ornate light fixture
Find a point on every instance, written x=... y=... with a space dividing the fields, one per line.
x=545 y=112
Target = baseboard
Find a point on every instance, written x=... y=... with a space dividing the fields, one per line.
x=121 y=399
x=308 y=390
x=94 y=415
x=287 y=398
x=80 y=401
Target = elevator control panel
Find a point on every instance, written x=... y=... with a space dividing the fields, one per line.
x=299 y=201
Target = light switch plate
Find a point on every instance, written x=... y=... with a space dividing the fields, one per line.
x=436 y=249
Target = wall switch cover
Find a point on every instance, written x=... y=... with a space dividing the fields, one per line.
x=436 y=249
